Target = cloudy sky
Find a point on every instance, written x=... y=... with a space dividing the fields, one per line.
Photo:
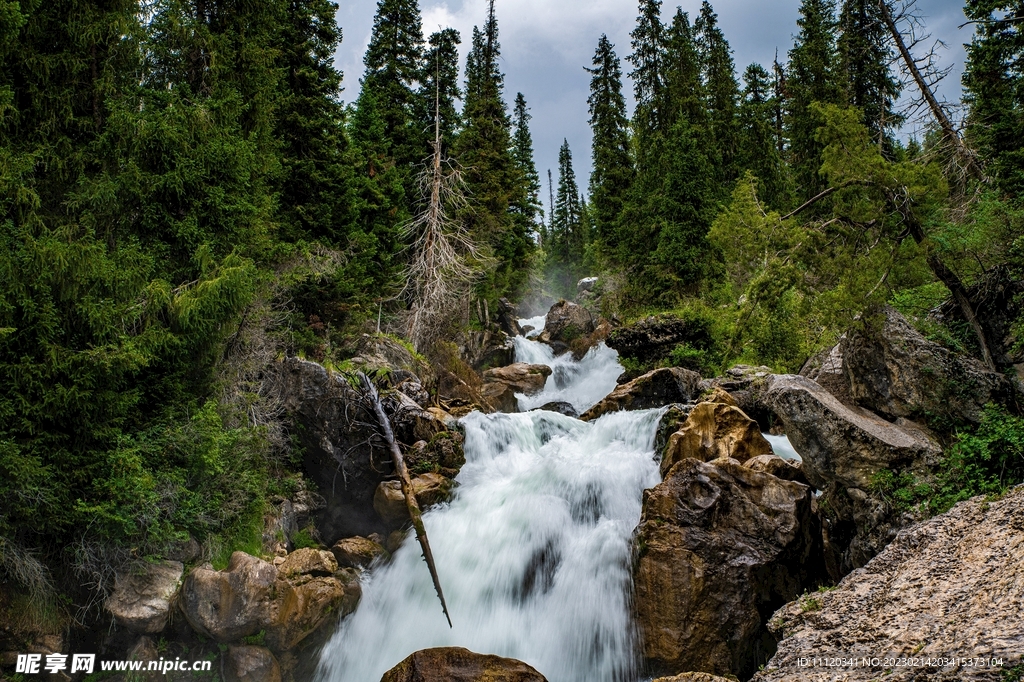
x=546 y=43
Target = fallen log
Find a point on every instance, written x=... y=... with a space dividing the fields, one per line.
x=403 y=476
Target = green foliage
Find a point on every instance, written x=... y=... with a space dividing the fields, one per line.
x=304 y=538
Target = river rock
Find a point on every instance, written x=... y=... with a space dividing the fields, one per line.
x=302 y=607
x=500 y=397
x=714 y=430
x=654 y=338
x=786 y=469
x=654 y=389
x=560 y=407
x=251 y=664
x=952 y=586
x=521 y=377
x=566 y=322
x=357 y=552
x=429 y=489
x=141 y=601
x=844 y=449
x=719 y=548
x=231 y=604
x=895 y=371
x=308 y=561
x=455 y=664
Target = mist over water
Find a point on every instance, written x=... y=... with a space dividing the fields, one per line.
x=532 y=550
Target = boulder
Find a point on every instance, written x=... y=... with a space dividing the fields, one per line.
x=251 y=664
x=231 y=604
x=308 y=561
x=455 y=664
x=444 y=454
x=786 y=469
x=251 y=595
x=719 y=548
x=826 y=369
x=951 y=586
x=717 y=394
x=410 y=421
x=488 y=348
x=560 y=407
x=566 y=322
x=714 y=430
x=500 y=397
x=654 y=338
x=895 y=371
x=585 y=285
x=654 y=389
x=508 y=318
x=141 y=600
x=844 y=450
x=521 y=377
x=357 y=552
x=428 y=488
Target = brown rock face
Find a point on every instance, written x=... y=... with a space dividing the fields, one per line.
x=566 y=322
x=500 y=397
x=654 y=389
x=251 y=664
x=720 y=546
x=952 y=586
x=778 y=467
x=357 y=552
x=897 y=372
x=231 y=604
x=454 y=664
x=142 y=602
x=521 y=377
x=428 y=488
x=714 y=430
x=308 y=561
x=843 y=449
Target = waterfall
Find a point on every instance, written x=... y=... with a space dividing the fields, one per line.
x=533 y=549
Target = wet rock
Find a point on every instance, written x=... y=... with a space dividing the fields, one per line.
x=893 y=370
x=560 y=407
x=714 y=430
x=786 y=469
x=357 y=552
x=251 y=664
x=586 y=285
x=508 y=318
x=141 y=600
x=455 y=664
x=308 y=561
x=951 y=586
x=654 y=389
x=301 y=609
x=566 y=322
x=231 y=604
x=844 y=449
x=488 y=348
x=428 y=488
x=654 y=338
x=500 y=397
x=521 y=377
x=673 y=420
x=719 y=548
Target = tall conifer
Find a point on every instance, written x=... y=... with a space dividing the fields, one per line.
x=758 y=146
x=865 y=56
x=721 y=89
x=527 y=208
x=648 y=74
x=440 y=80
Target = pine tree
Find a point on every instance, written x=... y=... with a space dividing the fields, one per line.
x=612 y=171
x=685 y=92
x=994 y=80
x=484 y=148
x=441 y=79
x=648 y=74
x=811 y=78
x=721 y=90
x=779 y=102
x=864 y=56
x=528 y=209
x=567 y=239
x=758 y=146
x=394 y=65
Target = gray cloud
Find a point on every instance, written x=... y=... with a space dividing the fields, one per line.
x=545 y=45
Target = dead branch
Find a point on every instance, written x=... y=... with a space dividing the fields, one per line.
x=370 y=392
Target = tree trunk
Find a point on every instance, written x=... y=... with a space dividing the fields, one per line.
x=403 y=476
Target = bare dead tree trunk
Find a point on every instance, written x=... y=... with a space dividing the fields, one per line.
x=948 y=131
x=403 y=476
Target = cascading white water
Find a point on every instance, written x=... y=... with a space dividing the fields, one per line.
x=532 y=551
x=581 y=384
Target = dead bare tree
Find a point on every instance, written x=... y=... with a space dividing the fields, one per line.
x=370 y=392
x=442 y=269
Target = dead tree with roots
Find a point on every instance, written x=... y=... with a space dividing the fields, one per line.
x=445 y=260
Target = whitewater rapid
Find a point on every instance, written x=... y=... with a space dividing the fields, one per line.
x=533 y=549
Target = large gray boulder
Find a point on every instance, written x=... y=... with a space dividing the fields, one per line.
x=654 y=389
x=566 y=322
x=845 y=450
x=892 y=369
x=719 y=547
x=141 y=600
x=950 y=587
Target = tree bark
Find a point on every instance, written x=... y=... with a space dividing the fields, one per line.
x=403 y=476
